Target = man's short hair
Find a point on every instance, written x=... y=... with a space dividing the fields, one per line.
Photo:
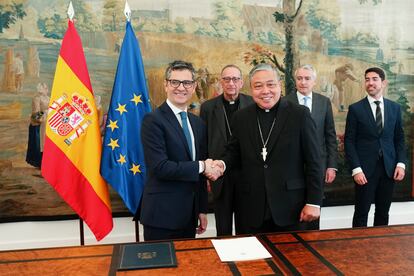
x=263 y=67
x=179 y=65
x=377 y=70
x=309 y=68
x=232 y=66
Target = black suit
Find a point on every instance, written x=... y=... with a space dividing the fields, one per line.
x=212 y=112
x=290 y=177
x=175 y=193
x=377 y=154
x=325 y=127
x=325 y=133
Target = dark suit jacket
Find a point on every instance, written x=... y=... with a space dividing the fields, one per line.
x=211 y=112
x=292 y=174
x=363 y=143
x=174 y=190
x=325 y=127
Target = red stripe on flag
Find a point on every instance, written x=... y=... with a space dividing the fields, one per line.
x=72 y=52
x=75 y=189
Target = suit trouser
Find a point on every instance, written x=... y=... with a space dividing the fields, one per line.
x=268 y=226
x=224 y=208
x=187 y=232
x=155 y=233
x=378 y=190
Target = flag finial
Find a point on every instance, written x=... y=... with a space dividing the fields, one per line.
x=127 y=11
x=71 y=11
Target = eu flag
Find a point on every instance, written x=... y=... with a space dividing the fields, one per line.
x=122 y=163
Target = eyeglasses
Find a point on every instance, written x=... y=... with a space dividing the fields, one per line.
x=186 y=83
x=229 y=79
x=260 y=86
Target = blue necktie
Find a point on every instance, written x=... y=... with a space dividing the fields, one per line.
x=306 y=102
x=184 y=124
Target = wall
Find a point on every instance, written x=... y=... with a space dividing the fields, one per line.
x=25 y=235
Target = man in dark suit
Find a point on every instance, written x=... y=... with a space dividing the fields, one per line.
x=375 y=149
x=274 y=144
x=174 y=141
x=217 y=114
x=321 y=112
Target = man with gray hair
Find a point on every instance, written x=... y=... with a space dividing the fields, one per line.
x=274 y=144
x=217 y=113
x=321 y=112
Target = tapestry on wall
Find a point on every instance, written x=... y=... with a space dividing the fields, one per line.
x=340 y=38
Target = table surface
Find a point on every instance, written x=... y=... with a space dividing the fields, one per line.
x=364 y=251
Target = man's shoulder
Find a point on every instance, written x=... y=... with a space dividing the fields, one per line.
x=246 y=111
x=358 y=104
x=211 y=102
x=319 y=96
x=291 y=96
x=289 y=104
x=391 y=102
x=157 y=112
x=246 y=97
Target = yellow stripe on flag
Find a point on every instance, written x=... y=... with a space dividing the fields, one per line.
x=84 y=151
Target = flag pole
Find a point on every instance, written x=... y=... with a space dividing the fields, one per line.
x=127 y=13
x=81 y=232
x=136 y=230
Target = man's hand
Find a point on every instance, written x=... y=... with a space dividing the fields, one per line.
x=360 y=178
x=213 y=169
x=309 y=213
x=399 y=173
x=202 y=226
x=330 y=175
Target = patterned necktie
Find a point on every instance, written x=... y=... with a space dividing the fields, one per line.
x=378 y=117
x=184 y=124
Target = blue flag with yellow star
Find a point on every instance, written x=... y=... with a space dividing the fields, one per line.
x=122 y=162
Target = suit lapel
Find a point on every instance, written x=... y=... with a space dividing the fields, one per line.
x=316 y=107
x=369 y=114
x=281 y=118
x=172 y=120
x=254 y=134
x=386 y=113
x=219 y=115
x=195 y=128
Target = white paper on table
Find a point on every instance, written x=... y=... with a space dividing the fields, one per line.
x=240 y=249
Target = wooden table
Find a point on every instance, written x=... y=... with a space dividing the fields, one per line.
x=365 y=251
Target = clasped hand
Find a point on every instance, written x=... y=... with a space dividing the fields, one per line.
x=213 y=169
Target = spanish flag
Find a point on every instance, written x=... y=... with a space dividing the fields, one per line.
x=72 y=151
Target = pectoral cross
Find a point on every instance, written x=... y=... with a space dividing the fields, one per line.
x=264 y=153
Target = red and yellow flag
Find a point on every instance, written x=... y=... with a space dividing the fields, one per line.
x=72 y=151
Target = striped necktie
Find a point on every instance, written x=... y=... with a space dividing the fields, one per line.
x=378 y=117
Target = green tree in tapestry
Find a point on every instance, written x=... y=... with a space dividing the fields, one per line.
x=9 y=13
x=287 y=17
x=229 y=22
x=54 y=24
x=113 y=15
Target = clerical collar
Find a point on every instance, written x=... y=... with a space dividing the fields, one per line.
x=226 y=102
x=274 y=108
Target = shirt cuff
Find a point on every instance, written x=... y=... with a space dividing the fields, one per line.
x=224 y=165
x=313 y=205
x=401 y=165
x=201 y=166
x=356 y=170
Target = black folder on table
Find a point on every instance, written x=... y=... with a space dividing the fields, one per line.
x=147 y=255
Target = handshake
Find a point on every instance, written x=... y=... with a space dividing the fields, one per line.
x=213 y=169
